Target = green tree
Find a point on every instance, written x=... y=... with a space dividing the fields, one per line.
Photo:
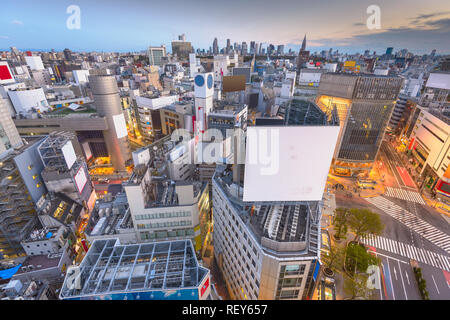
x=364 y=222
x=357 y=259
x=356 y=286
x=334 y=258
x=340 y=222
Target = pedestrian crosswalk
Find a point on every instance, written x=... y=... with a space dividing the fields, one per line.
x=407 y=195
x=408 y=251
x=414 y=223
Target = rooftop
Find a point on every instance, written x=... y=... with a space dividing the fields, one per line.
x=109 y=216
x=110 y=267
x=280 y=227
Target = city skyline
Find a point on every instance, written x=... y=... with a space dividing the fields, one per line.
x=131 y=27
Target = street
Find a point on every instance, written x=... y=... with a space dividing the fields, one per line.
x=413 y=230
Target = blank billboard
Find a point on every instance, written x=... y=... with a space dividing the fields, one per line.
x=439 y=81
x=288 y=163
x=120 y=125
x=87 y=150
x=80 y=179
x=69 y=154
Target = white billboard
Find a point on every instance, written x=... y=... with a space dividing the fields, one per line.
x=439 y=81
x=80 y=179
x=87 y=150
x=69 y=154
x=288 y=163
x=120 y=125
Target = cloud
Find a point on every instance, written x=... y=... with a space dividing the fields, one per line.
x=17 y=22
x=4 y=37
x=431 y=34
x=421 y=19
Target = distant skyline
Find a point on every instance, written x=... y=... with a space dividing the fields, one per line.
x=123 y=26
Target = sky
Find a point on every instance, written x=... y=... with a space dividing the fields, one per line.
x=133 y=25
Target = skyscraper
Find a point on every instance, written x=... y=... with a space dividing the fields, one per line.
x=303 y=55
x=181 y=48
x=244 y=48
x=215 y=47
x=303 y=48
x=107 y=100
x=228 y=50
x=155 y=54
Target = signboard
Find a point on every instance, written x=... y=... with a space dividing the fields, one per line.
x=288 y=163
x=5 y=73
x=120 y=125
x=69 y=154
x=80 y=179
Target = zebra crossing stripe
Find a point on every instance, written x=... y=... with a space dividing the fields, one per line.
x=403 y=194
x=416 y=224
x=447 y=263
x=408 y=251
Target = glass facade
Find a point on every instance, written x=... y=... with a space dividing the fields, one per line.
x=364 y=131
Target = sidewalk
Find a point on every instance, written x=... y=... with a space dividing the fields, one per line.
x=350 y=185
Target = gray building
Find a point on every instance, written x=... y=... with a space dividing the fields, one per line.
x=147 y=271
x=364 y=105
x=270 y=249
x=107 y=100
x=21 y=187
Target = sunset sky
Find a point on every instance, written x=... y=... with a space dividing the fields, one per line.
x=133 y=25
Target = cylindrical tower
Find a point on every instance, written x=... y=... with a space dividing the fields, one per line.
x=107 y=100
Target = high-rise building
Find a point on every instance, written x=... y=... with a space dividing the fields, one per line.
x=228 y=50
x=364 y=104
x=68 y=54
x=244 y=49
x=280 y=49
x=303 y=48
x=181 y=48
x=303 y=55
x=204 y=92
x=215 y=47
x=155 y=54
x=107 y=100
x=64 y=172
x=269 y=249
x=389 y=51
x=21 y=189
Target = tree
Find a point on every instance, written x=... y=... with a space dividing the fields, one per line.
x=357 y=259
x=356 y=286
x=334 y=259
x=340 y=222
x=364 y=222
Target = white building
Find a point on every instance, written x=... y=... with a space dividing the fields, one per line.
x=165 y=209
x=25 y=100
x=221 y=64
x=255 y=263
x=34 y=62
x=430 y=143
x=81 y=76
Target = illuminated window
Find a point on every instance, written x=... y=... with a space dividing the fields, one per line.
x=29 y=167
x=34 y=177
x=38 y=185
